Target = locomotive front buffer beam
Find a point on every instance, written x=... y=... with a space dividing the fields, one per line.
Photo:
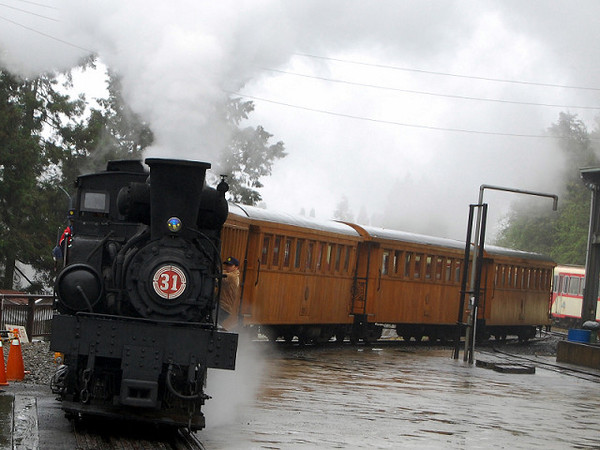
x=144 y=347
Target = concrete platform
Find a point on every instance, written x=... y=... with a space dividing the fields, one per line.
x=31 y=418
x=578 y=353
x=19 y=421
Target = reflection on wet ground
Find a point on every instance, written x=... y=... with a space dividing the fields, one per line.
x=367 y=397
x=6 y=409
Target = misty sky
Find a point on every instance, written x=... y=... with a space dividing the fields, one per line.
x=383 y=102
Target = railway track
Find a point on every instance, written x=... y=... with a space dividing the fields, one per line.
x=508 y=353
x=104 y=435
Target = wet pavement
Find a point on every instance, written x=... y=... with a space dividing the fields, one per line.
x=395 y=397
x=380 y=396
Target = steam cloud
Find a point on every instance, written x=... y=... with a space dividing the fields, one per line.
x=179 y=60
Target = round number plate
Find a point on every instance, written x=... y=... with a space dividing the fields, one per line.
x=169 y=281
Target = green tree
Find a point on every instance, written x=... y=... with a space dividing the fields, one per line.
x=114 y=131
x=33 y=116
x=562 y=236
x=249 y=156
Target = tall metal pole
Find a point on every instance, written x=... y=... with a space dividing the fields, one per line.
x=591 y=178
x=472 y=318
x=470 y=350
x=463 y=285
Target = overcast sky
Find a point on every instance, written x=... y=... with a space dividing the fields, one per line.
x=405 y=108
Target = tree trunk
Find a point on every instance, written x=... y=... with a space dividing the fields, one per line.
x=9 y=273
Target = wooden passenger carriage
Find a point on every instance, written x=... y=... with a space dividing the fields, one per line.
x=298 y=273
x=318 y=279
x=413 y=282
x=517 y=292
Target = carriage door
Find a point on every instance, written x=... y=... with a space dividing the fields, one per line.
x=361 y=279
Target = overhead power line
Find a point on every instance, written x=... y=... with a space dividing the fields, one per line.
x=29 y=12
x=47 y=35
x=401 y=124
x=409 y=91
x=448 y=74
x=38 y=4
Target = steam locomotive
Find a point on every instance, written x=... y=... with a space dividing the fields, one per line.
x=137 y=298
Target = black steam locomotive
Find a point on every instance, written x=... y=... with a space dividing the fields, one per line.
x=137 y=299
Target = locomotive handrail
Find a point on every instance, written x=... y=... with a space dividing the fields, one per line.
x=99 y=245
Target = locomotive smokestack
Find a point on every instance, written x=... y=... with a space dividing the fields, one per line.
x=175 y=193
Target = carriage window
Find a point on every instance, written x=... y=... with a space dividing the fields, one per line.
x=276 y=246
x=574 y=286
x=428 y=267
x=457 y=271
x=407 y=259
x=397 y=261
x=347 y=259
x=438 y=268
x=558 y=280
x=448 y=276
x=521 y=278
x=328 y=256
x=546 y=280
x=508 y=276
x=385 y=262
x=298 y=258
x=265 y=250
x=309 y=253
x=516 y=277
x=319 y=254
x=338 y=257
x=417 y=271
x=286 y=252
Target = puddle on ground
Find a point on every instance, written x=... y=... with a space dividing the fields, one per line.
x=349 y=397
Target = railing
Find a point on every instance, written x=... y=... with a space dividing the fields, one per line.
x=36 y=318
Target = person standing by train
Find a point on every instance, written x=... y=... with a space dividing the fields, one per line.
x=229 y=303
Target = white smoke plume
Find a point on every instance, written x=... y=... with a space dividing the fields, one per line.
x=180 y=59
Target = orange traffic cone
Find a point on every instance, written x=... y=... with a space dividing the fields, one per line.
x=3 y=381
x=15 y=371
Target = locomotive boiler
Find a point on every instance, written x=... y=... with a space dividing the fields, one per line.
x=137 y=299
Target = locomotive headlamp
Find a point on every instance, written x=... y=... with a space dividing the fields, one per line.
x=174 y=224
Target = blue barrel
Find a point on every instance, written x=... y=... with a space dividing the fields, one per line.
x=576 y=335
